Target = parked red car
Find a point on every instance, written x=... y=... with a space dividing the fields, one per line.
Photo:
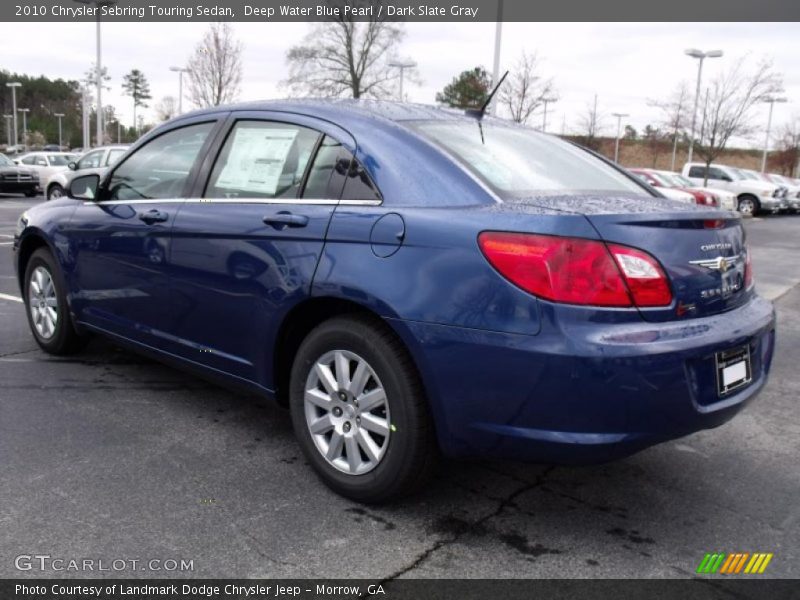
x=655 y=179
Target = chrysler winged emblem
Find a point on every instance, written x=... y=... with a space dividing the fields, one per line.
x=720 y=263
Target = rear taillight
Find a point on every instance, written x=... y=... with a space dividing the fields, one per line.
x=576 y=270
x=748 y=269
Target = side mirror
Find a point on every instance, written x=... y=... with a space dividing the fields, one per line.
x=84 y=187
x=72 y=165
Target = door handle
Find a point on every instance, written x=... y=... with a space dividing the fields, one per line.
x=153 y=216
x=285 y=219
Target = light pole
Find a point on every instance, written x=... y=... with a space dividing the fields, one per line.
x=8 y=128
x=59 y=116
x=24 y=112
x=771 y=101
x=619 y=116
x=99 y=70
x=409 y=64
x=546 y=101
x=700 y=56
x=498 y=38
x=14 y=85
x=180 y=71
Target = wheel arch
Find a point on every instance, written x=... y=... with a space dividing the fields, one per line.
x=307 y=315
x=27 y=246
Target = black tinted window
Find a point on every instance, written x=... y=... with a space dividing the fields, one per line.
x=358 y=185
x=697 y=172
x=328 y=171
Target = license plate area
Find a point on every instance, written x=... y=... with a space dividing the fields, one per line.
x=733 y=370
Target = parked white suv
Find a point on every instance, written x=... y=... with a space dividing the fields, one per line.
x=753 y=195
x=97 y=158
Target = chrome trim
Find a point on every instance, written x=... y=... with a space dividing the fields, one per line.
x=290 y=201
x=720 y=263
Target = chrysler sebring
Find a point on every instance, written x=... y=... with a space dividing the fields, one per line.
x=410 y=282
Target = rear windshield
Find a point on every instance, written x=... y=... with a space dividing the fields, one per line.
x=519 y=162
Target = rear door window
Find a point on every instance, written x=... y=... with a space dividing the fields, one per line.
x=262 y=159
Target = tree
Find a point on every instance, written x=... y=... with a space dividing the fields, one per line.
x=469 y=90
x=787 y=159
x=675 y=112
x=342 y=58
x=166 y=108
x=215 y=69
x=136 y=86
x=591 y=124
x=730 y=101
x=655 y=140
x=45 y=97
x=90 y=77
x=524 y=91
x=630 y=133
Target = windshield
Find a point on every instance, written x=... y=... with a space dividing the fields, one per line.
x=743 y=174
x=682 y=181
x=58 y=160
x=518 y=162
x=5 y=161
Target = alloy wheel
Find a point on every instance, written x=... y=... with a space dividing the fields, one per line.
x=347 y=412
x=43 y=302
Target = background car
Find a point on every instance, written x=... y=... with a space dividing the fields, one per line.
x=663 y=181
x=46 y=164
x=725 y=200
x=672 y=194
x=752 y=194
x=15 y=179
x=792 y=189
x=98 y=158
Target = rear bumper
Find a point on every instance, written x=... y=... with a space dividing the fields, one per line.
x=584 y=391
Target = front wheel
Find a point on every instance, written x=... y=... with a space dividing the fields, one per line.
x=46 y=303
x=748 y=206
x=359 y=411
x=55 y=192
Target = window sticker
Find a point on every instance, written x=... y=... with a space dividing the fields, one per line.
x=256 y=160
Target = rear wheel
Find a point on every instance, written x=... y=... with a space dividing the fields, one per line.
x=359 y=411
x=46 y=303
x=748 y=205
x=55 y=192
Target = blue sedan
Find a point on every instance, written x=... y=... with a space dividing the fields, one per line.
x=410 y=281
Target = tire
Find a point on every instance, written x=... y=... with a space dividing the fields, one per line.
x=55 y=191
x=53 y=329
x=400 y=462
x=748 y=205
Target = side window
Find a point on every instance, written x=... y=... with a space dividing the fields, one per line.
x=697 y=172
x=328 y=171
x=91 y=160
x=358 y=185
x=28 y=160
x=114 y=156
x=41 y=161
x=262 y=159
x=716 y=174
x=160 y=168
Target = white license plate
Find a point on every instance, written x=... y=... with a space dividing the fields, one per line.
x=733 y=369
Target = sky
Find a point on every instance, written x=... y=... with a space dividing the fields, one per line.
x=625 y=64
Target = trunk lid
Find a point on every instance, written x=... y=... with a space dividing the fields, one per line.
x=702 y=250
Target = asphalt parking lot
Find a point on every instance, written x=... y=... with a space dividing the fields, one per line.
x=108 y=455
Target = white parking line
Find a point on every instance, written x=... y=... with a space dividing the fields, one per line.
x=10 y=297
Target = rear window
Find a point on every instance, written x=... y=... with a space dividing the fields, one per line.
x=519 y=162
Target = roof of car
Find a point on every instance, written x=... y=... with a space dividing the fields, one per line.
x=334 y=108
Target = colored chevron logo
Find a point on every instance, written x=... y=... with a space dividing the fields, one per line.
x=734 y=564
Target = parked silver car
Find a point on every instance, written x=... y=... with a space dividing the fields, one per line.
x=97 y=158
